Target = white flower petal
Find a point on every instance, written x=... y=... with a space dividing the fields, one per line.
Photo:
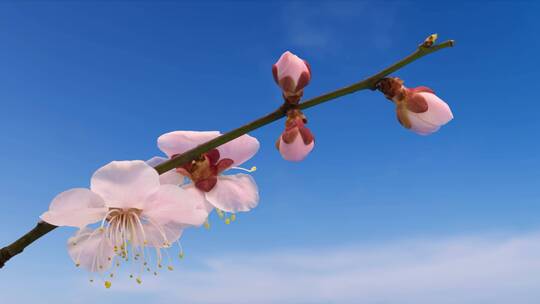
x=156 y=160
x=165 y=234
x=178 y=142
x=125 y=184
x=91 y=249
x=176 y=204
x=206 y=205
x=170 y=177
x=234 y=193
x=240 y=149
x=75 y=207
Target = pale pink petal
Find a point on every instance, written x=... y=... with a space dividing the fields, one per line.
x=170 y=177
x=125 y=184
x=295 y=151
x=91 y=249
x=234 y=193
x=290 y=65
x=420 y=126
x=438 y=112
x=178 y=142
x=176 y=204
x=163 y=235
x=75 y=207
x=240 y=149
x=206 y=206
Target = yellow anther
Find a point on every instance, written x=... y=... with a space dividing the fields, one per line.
x=207 y=225
x=233 y=217
x=139 y=281
x=170 y=268
x=101 y=229
x=108 y=284
x=227 y=221
x=145 y=242
x=220 y=213
x=253 y=169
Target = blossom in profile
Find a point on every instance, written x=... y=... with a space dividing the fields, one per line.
x=133 y=212
x=418 y=109
x=226 y=192
x=292 y=74
x=297 y=141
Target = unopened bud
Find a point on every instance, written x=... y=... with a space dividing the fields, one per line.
x=292 y=74
x=429 y=41
x=418 y=109
x=297 y=141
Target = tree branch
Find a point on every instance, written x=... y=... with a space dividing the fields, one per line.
x=424 y=49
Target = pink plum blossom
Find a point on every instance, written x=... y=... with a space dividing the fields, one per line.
x=292 y=74
x=418 y=109
x=229 y=193
x=134 y=211
x=297 y=141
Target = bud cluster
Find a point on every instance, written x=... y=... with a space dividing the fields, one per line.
x=292 y=74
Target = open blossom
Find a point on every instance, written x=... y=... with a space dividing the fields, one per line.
x=292 y=74
x=134 y=212
x=297 y=141
x=229 y=193
x=418 y=109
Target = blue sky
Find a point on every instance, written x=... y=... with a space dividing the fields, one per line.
x=376 y=214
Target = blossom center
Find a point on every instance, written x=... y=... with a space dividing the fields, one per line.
x=204 y=171
x=130 y=234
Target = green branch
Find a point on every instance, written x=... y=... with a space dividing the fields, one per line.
x=424 y=49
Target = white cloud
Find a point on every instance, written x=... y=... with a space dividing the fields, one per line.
x=475 y=270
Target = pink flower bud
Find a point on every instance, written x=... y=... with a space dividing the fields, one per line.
x=292 y=74
x=297 y=141
x=418 y=109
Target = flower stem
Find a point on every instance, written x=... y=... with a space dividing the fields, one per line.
x=43 y=228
